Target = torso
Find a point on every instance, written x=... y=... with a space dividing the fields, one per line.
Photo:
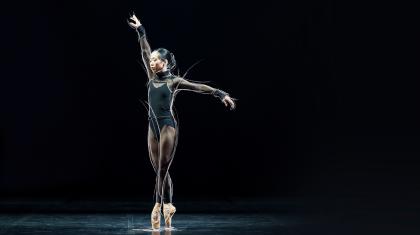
x=157 y=83
x=160 y=96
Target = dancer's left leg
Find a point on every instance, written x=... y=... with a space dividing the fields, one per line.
x=166 y=153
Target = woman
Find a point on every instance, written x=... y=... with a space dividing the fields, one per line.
x=163 y=128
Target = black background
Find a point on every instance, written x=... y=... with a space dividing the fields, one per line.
x=327 y=99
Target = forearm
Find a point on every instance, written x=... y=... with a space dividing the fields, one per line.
x=144 y=44
x=213 y=91
x=202 y=88
x=145 y=49
x=205 y=89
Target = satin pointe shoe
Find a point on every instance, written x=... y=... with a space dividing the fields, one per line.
x=155 y=216
x=168 y=212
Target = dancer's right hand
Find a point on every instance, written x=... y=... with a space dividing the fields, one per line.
x=134 y=22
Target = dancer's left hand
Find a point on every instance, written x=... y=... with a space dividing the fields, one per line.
x=228 y=101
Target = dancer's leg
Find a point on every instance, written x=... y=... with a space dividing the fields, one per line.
x=167 y=147
x=166 y=152
x=153 y=145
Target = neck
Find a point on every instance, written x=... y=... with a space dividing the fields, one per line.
x=163 y=73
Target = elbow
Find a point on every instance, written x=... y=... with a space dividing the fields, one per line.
x=145 y=55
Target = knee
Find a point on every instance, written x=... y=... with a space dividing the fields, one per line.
x=162 y=172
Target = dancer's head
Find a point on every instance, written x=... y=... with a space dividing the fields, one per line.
x=162 y=60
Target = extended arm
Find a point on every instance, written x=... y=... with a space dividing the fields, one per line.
x=144 y=44
x=182 y=84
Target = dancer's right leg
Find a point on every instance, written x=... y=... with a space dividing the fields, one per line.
x=153 y=146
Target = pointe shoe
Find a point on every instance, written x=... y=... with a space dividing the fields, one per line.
x=155 y=216
x=168 y=212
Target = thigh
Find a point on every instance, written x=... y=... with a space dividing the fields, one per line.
x=167 y=142
x=153 y=146
x=154 y=128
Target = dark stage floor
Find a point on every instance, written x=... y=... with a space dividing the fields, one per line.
x=92 y=224
x=219 y=218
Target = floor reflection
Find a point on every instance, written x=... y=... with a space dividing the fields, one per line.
x=118 y=224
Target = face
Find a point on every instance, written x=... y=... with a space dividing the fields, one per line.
x=156 y=64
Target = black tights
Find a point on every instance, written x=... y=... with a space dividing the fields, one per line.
x=161 y=153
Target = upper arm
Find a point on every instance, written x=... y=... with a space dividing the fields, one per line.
x=183 y=84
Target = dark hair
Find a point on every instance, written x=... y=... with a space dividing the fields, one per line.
x=167 y=55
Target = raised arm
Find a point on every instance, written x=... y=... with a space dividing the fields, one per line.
x=182 y=84
x=144 y=45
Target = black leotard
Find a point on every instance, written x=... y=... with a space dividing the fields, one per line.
x=160 y=103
